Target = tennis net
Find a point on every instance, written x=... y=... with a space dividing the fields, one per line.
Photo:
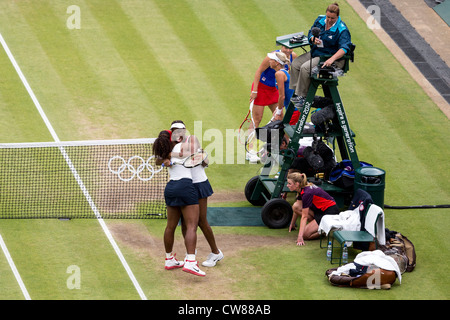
x=81 y=179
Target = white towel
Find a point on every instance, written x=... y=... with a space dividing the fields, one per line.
x=369 y=224
x=372 y=259
x=379 y=259
x=346 y=220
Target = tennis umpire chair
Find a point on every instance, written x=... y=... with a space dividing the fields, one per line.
x=265 y=190
x=363 y=236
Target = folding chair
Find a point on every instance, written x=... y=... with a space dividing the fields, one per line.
x=342 y=236
x=361 y=199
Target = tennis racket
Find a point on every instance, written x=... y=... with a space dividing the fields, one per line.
x=247 y=126
x=193 y=160
x=253 y=145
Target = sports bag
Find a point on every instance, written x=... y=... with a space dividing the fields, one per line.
x=274 y=127
x=385 y=278
x=399 y=247
x=343 y=174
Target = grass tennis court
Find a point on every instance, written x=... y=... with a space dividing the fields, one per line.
x=132 y=68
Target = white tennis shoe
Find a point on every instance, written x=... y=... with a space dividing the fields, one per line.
x=191 y=266
x=252 y=158
x=212 y=259
x=173 y=263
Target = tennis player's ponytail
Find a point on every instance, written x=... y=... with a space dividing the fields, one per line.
x=162 y=146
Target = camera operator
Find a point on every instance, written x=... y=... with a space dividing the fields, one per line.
x=330 y=36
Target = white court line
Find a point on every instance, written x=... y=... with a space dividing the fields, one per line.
x=75 y=174
x=14 y=269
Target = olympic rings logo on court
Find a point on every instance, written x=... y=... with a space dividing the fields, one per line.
x=126 y=170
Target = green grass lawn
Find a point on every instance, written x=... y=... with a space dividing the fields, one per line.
x=132 y=68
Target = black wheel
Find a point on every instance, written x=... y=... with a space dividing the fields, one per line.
x=249 y=188
x=276 y=213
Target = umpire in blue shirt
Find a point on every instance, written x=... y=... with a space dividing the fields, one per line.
x=333 y=39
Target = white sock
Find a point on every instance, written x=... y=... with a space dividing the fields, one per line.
x=168 y=255
x=190 y=257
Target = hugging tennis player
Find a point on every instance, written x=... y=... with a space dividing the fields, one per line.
x=182 y=199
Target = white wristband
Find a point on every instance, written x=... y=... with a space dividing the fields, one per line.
x=279 y=111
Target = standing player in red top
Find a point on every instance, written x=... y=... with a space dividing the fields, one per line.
x=265 y=91
x=311 y=205
x=264 y=86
